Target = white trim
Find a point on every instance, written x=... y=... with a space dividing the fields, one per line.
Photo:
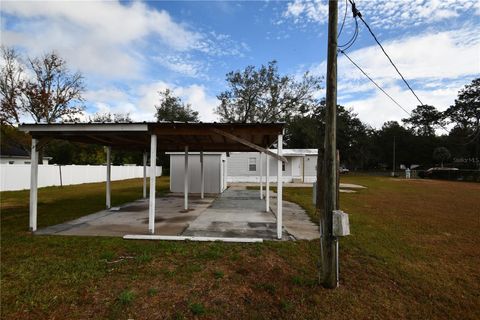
x=183 y=238
x=83 y=127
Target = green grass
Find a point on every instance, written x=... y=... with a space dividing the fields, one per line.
x=413 y=253
x=126 y=297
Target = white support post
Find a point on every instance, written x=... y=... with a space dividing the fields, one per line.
x=109 y=171
x=261 y=175
x=267 y=185
x=279 y=188
x=185 y=181
x=33 y=185
x=202 y=177
x=145 y=156
x=153 y=179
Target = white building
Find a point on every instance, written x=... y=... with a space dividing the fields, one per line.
x=15 y=155
x=221 y=168
x=214 y=166
x=245 y=166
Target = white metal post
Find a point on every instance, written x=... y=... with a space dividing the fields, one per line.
x=153 y=177
x=185 y=181
x=261 y=175
x=145 y=174
x=202 y=177
x=109 y=171
x=33 y=185
x=267 y=185
x=279 y=188
x=225 y=174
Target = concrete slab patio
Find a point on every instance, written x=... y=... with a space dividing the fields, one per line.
x=235 y=213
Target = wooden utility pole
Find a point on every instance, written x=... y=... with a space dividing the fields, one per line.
x=329 y=254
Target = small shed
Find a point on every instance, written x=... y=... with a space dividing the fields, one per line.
x=214 y=166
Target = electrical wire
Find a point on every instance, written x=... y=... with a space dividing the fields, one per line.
x=344 y=17
x=358 y=14
x=352 y=40
x=373 y=81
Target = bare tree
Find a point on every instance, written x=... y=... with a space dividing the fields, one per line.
x=11 y=82
x=263 y=95
x=51 y=93
x=110 y=117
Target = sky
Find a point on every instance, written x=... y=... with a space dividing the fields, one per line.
x=128 y=51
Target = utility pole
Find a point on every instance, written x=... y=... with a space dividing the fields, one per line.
x=393 y=167
x=328 y=246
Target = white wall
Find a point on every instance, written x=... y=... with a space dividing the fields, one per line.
x=17 y=176
x=212 y=166
x=238 y=170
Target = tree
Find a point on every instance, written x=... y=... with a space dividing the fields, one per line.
x=441 y=154
x=424 y=119
x=172 y=108
x=110 y=117
x=264 y=95
x=51 y=93
x=353 y=136
x=465 y=113
x=11 y=82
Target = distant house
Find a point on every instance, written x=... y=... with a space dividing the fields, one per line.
x=245 y=166
x=10 y=154
x=221 y=168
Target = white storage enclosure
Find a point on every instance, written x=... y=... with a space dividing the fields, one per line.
x=214 y=166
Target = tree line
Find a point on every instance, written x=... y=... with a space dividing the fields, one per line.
x=47 y=91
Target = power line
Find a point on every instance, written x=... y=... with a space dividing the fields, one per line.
x=344 y=17
x=375 y=83
x=358 y=14
x=352 y=40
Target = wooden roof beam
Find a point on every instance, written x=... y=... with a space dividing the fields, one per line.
x=248 y=144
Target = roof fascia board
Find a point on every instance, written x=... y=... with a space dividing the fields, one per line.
x=137 y=127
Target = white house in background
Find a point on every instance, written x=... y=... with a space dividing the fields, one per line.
x=245 y=166
x=220 y=168
x=15 y=155
x=214 y=166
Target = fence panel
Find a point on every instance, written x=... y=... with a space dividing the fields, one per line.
x=17 y=176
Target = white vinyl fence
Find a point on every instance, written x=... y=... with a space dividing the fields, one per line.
x=17 y=176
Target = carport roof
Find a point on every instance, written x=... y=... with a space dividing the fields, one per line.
x=171 y=136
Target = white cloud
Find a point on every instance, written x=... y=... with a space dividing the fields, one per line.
x=384 y=13
x=299 y=10
x=194 y=94
x=417 y=57
x=108 y=38
x=182 y=64
x=437 y=65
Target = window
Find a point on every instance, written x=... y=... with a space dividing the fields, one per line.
x=283 y=166
x=252 y=164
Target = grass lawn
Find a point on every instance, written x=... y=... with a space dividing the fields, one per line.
x=413 y=253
